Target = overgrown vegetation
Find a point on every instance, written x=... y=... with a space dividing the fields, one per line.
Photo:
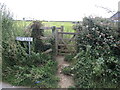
x=19 y=68
x=96 y=65
x=98 y=59
x=69 y=57
x=68 y=70
x=0 y=45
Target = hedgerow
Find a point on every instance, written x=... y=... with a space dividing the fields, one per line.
x=98 y=59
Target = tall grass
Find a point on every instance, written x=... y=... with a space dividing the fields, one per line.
x=19 y=68
x=0 y=43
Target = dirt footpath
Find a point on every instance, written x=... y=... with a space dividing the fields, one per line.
x=65 y=80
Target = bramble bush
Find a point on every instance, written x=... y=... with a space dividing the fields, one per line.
x=90 y=72
x=98 y=59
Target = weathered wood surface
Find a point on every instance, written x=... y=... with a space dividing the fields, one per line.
x=56 y=41
x=62 y=29
x=54 y=35
x=65 y=43
x=47 y=51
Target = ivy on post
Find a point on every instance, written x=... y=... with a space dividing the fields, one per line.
x=37 y=32
x=55 y=34
x=56 y=41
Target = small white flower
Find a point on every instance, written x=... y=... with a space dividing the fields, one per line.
x=93 y=29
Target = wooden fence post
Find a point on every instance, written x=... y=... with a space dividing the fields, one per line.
x=62 y=28
x=53 y=42
x=56 y=40
x=55 y=35
x=76 y=40
x=53 y=31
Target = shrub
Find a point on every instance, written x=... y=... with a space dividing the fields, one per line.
x=67 y=70
x=98 y=32
x=97 y=61
x=69 y=57
x=96 y=73
x=33 y=68
x=19 y=68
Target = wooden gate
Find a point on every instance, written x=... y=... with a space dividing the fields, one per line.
x=50 y=36
x=65 y=42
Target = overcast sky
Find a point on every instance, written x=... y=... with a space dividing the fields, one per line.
x=63 y=10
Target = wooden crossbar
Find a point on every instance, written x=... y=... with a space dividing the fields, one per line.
x=48 y=28
x=72 y=38
x=64 y=43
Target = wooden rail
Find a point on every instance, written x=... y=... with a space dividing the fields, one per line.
x=54 y=35
x=64 y=43
x=48 y=28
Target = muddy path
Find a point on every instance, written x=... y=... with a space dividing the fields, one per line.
x=65 y=80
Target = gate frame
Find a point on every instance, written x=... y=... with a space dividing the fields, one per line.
x=59 y=37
